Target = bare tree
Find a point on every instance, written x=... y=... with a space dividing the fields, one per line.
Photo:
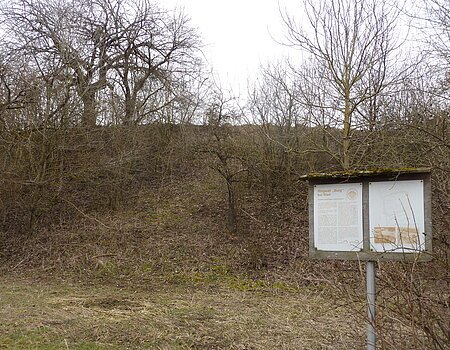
x=224 y=148
x=14 y=91
x=136 y=49
x=281 y=126
x=76 y=33
x=347 y=41
x=156 y=48
x=432 y=19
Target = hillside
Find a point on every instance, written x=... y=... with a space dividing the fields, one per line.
x=138 y=252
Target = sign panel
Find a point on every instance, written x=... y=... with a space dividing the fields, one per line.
x=370 y=215
x=338 y=217
x=396 y=216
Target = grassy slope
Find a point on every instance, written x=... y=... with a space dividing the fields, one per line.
x=176 y=231
x=164 y=273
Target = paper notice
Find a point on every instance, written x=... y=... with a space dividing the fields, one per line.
x=338 y=217
x=396 y=216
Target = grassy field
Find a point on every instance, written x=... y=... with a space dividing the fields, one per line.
x=234 y=313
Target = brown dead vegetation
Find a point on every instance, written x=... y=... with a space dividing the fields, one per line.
x=141 y=208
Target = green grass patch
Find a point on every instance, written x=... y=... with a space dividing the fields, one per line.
x=42 y=339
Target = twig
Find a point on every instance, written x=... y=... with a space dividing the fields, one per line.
x=86 y=215
x=18 y=264
x=102 y=256
x=251 y=216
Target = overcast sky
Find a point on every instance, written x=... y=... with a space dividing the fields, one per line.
x=239 y=35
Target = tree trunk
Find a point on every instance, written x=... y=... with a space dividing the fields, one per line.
x=89 y=117
x=130 y=110
x=347 y=126
x=232 y=215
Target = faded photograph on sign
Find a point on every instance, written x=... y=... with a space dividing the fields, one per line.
x=338 y=217
x=396 y=216
x=384 y=235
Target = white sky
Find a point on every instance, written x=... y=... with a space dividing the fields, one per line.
x=238 y=35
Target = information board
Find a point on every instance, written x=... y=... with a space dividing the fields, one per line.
x=338 y=217
x=369 y=215
x=396 y=216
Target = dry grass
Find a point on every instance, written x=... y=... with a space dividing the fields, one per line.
x=38 y=315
